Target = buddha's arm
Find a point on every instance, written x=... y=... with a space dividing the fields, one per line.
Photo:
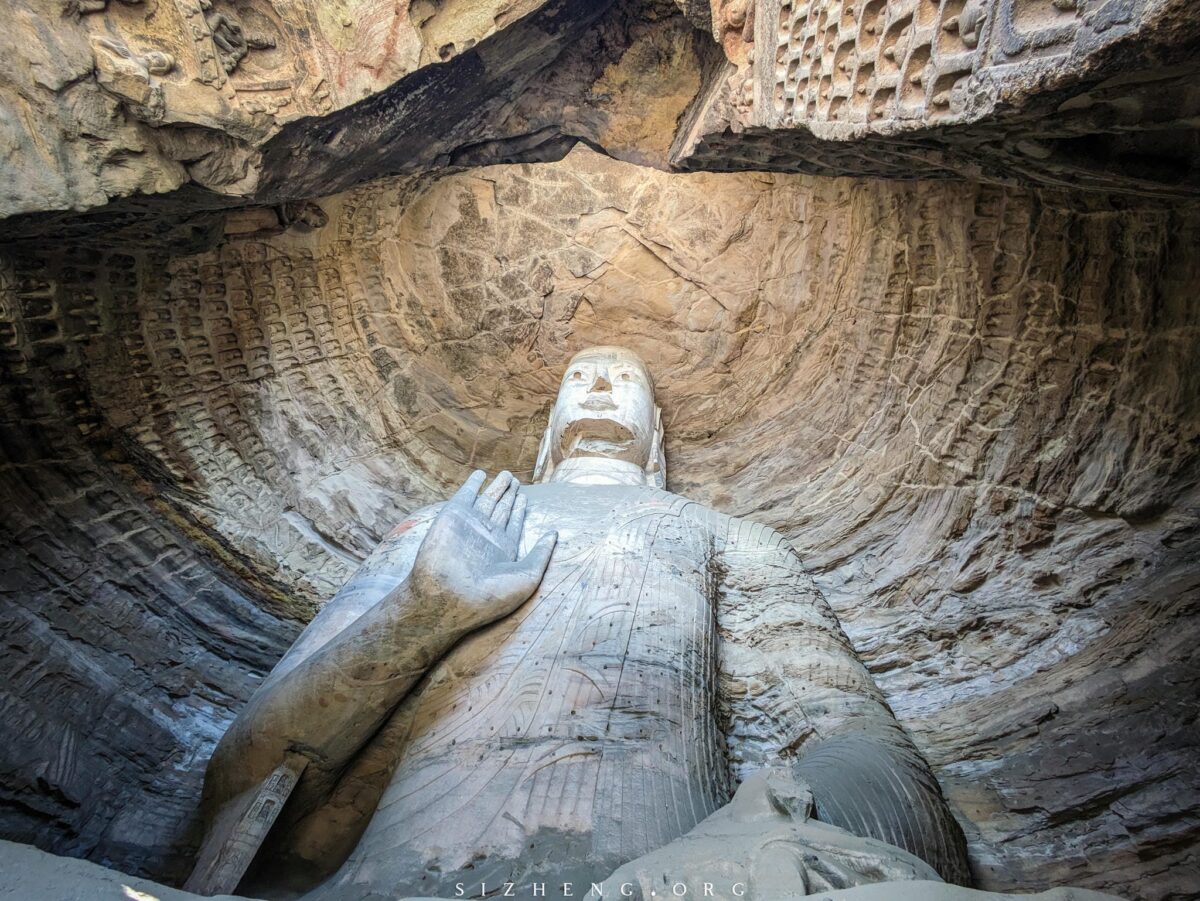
x=410 y=603
x=792 y=688
x=330 y=700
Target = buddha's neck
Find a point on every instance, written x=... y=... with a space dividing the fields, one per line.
x=598 y=471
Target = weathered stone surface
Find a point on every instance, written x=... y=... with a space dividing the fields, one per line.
x=972 y=408
x=1076 y=93
x=30 y=873
x=267 y=101
x=465 y=719
x=180 y=107
x=125 y=651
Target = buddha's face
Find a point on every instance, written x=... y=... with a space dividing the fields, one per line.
x=605 y=408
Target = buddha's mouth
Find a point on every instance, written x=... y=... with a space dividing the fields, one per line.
x=598 y=402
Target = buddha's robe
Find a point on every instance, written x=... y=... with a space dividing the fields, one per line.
x=668 y=650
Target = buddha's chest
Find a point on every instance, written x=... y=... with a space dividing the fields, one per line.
x=576 y=734
x=618 y=642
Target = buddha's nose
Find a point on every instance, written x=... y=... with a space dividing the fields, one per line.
x=601 y=382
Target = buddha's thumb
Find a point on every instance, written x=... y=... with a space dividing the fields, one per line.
x=538 y=558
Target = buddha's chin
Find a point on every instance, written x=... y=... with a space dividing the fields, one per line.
x=599 y=438
x=603 y=449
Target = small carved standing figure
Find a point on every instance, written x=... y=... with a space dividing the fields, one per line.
x=229 y=37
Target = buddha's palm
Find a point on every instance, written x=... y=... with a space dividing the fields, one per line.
x=468 y=560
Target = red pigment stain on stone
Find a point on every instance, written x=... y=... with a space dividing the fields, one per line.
x=402 y=528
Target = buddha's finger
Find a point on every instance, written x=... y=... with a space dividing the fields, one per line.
x=465 y=496
x=516 y=521
x=535 y=562
x=509 y=585
x=505 y=505
x=486 y=502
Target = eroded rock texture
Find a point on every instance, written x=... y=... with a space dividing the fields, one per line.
x=972 y=408
x=216 y=102
x=1079 y=93
x=156 y=111
x=125 y=652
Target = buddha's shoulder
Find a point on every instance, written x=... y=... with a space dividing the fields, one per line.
x=604 y=502
x=585 y=508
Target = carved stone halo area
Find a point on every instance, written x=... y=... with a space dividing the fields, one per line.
x=600 y=448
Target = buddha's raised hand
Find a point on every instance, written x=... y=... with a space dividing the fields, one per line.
x=468 y=560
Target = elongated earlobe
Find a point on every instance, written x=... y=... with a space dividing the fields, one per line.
x=656 y=468
x=544 y=468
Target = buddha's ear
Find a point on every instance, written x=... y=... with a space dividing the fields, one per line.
x=656 y=468
x=543 y=469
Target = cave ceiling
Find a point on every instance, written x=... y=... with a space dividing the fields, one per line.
x=150 y=111
x=274 y=275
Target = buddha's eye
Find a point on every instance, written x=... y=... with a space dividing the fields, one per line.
x=624 y=376
x=576 y=375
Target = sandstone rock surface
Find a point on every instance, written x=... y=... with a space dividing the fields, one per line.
x=177 y=107
x=1075 y=93
x=263 y=292
x=972 y=408
x=35 y=874
x=204 y=104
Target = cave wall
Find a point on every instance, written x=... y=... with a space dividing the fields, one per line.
x=148 y=113
x=1072 y=93
x=972 y=408
x=103 y=100
x=126 y=651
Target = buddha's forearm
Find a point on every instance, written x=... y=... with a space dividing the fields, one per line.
x=331 y=703
x=794 y=687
